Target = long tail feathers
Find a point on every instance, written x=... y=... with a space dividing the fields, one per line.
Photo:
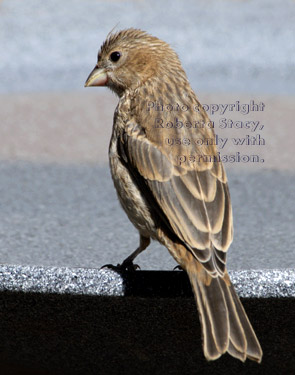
x=225 y=325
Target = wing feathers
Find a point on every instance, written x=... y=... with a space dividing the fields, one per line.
x=223 y=239
x=196 y=203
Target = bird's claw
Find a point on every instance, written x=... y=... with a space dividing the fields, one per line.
x=129 y=266
x=110 y=266
x=178 y=267
x=125 y=266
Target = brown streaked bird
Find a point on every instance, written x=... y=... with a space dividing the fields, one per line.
x=170 y=181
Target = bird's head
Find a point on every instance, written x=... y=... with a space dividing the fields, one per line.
x=129 y=58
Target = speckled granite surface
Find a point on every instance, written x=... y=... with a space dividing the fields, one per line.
x=107 y=282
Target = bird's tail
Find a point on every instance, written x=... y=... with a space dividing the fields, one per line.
x=225 y=325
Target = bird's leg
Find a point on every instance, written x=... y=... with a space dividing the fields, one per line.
x=128 y=262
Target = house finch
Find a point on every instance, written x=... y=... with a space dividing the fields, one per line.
x=170 y=180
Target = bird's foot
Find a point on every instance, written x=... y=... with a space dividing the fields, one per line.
x=127 y=265
x=178 y=267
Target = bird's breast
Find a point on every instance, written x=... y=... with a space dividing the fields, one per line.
x=131 y=198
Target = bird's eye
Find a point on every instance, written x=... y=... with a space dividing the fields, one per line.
x=115 y=56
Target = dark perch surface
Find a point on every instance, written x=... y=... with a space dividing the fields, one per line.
x=147 y=331
x=126 y=335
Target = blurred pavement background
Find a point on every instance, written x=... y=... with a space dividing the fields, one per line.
x=240 y=46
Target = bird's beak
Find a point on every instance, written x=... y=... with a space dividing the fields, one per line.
x=98 y=77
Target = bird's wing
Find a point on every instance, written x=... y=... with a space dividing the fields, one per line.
x=194 y=197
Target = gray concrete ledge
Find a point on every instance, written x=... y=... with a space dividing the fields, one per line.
x=59 y=321
x=107 y=282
